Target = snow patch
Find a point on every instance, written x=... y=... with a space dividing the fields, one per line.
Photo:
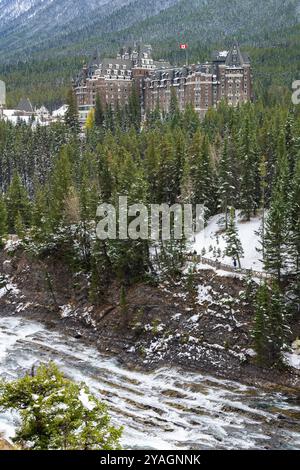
x=212 y=241
x=293 y=360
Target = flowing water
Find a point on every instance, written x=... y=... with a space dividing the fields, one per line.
x=167 y=409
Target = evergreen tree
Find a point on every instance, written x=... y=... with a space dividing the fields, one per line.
x=276 y=234
x=3 y=220
x=226 y=187
x=57 y=414
x=174 y=114
x=17 y=204
x=135 y=109
x=19 y=226
x=249 y=195
x=203 y=191
x=60 y=186
x=293 y=242
x=168 y=191
x=99 y=114
x=40 y=214
x=234 y=247
x=269 y=329
x=71 y=117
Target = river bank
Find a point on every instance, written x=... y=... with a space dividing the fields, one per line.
x=169 y=408
x=160 y=327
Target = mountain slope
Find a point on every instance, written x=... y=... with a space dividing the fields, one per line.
x=27 y=26
x=44 y=42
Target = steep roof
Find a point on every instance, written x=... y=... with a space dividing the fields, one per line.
x=235 y=58
x=25 y=105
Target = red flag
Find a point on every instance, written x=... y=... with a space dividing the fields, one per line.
x=183 y=46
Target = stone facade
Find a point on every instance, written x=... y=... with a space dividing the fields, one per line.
x=227 y=77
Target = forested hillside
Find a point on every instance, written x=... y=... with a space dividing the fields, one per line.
x=39 y=61
x=243 y=159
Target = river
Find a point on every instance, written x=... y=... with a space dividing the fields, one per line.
x=167 y=409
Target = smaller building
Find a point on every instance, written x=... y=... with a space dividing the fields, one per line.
x=27 y=113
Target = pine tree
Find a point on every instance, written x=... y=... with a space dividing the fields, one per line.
x=99 y=114
x=204 y=184
x=293 y=242
x=19 y=226
x=40 y=214
x=225 y=182
x=234 y=247
x=71 y=117
x=269 y=329
x=135 y=109
x=3 y=220
x=276 y=234
x=168 y=191
x=60 y=186
x=17 y=203
x=276 y=323
x=249 y=191
x=174 y=114
x=58 y=414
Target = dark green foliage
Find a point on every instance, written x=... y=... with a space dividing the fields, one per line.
x=99 y=114
x=270 y=324
x=271 y=39
x=234 y=247
x=18 y=205
x=71 y=117
x=3 y=219
x=247 y=158
x=57 y=413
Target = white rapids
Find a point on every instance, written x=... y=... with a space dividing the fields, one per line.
x=167 y=409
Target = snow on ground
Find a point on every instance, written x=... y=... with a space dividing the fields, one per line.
x=9 y=288
x=212 y=240
x=293 y=360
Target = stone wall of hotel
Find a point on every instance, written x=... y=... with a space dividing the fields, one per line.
x=227 y=77
x=201 y=90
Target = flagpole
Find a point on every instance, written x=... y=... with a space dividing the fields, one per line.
x=186 y=48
